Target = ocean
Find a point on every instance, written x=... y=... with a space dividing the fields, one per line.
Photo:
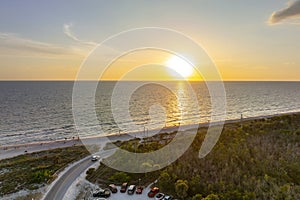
x=35 y=111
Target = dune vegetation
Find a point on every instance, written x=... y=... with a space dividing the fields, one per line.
x=34 y=170
x=253 y=159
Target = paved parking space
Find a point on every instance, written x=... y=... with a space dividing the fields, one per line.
x=125 y=196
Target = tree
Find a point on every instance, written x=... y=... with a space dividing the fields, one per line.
x=197 y=197
x=181 y=188
x=195 y=185
x=165 y=180
x=212 y=197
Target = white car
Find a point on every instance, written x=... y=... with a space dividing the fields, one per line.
x=167 y=197
x=95 y=158
x=131 y=189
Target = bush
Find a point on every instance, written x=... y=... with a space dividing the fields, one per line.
x=119 y=177
x=90 y=171
x=41 y=176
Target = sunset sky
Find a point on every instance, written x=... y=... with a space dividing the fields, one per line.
x=248 y=40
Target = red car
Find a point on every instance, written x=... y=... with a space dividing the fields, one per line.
x=139 y=190
x=153 y=192
x=124 y=187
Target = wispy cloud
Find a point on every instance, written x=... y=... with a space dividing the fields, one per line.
x=15 y=45
x=71 y=35
x=292 y=11
x=12 y=44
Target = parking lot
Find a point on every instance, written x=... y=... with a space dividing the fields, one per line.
x=125 y=196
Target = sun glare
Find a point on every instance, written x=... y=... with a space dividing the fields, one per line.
x=180 y=66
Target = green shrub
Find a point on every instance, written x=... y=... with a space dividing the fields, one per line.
x=120 y=177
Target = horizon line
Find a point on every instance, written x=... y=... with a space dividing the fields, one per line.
x=112 y=80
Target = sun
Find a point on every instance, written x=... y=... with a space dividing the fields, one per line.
x=180 y=66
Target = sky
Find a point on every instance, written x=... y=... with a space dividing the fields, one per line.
x=247 y=40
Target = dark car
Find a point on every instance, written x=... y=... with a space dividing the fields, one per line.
x=124 y=187
x=153 y=192
x=159 y=196
x=113 y=188
x=131 y=189
x=139 y=190
x=101 y=193
x=96 y=192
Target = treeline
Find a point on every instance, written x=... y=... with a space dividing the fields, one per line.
x=256 y=159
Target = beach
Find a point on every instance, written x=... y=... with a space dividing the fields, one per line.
x=19 y=149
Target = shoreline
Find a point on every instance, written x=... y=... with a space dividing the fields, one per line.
x=10 y=151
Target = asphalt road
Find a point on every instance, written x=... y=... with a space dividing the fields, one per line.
x=59 y=189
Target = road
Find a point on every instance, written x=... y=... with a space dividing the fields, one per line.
x=60 y=187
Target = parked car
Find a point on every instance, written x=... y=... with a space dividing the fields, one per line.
x=139 y=190
x=106 y=193
x=168 y=197
x=153 y=192
x=96 y=192
x=95 y=158
x=113 y=188
x=124 y=187
x=159 y=196
x=101 y=193
x=131 y=189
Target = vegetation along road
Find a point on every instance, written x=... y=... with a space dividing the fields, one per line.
x=60 y=187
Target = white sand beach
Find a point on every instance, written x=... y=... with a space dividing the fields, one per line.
x=15 y=150
x=19 y=149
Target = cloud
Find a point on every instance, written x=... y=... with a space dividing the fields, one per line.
x=292 y=11
x=71 y=35
x=12 y=44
